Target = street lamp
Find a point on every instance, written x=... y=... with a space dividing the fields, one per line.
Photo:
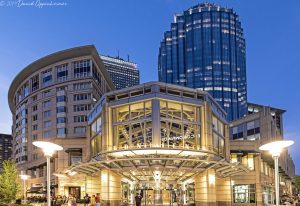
x=48 y=149
x=275 y=149
x=24 y=178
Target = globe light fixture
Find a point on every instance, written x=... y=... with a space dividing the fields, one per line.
x=275 y=149
x=48 y=148
x=24 y=177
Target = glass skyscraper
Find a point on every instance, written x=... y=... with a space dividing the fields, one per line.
x=205 y=49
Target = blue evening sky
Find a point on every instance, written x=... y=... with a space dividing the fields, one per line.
x=135 y=27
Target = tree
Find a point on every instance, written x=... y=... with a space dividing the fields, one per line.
x=297 y=181
x=10 y=183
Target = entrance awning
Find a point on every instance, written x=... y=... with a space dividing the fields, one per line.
x=173 y=164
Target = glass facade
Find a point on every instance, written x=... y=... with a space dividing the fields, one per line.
x=180 y=127
x=205 y=49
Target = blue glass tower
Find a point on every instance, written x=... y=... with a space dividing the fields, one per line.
x=205 y=49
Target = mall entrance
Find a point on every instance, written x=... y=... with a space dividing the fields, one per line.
x=160 y=194
x=75 y=192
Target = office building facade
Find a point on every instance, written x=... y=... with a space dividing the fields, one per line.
x=50 y=100
x=169 y=143
x=262 y=125
x=5 y=148
x=123 y=73
x=205 y=49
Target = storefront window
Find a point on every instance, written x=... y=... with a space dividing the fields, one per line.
x=267 y=195
x=137 y=111
x=163 y=108
x=96 y=145
x=121 y=114
x=135 y=133
x=188 y=113
x=180 y=126
x=218 y=144
x=244 y=193
x=96 y=126
x=174 y=110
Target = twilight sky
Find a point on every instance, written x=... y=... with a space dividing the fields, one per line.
x=135 y=27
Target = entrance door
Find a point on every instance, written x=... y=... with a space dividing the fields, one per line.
x=75 y=192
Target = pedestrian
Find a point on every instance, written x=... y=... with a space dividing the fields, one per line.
x=138 y=199
x=70 y=200
x=87 y=200
x=93 y=200
x=98 y=200
x=64 y=199
x=150 y=200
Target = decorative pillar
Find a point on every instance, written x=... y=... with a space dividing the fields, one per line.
x=93 y=185
x=223 y=191
x=205 y=189
x=156 y=123
x=111 y=191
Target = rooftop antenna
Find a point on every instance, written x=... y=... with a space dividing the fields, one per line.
x=127 y=57
x=118 y=54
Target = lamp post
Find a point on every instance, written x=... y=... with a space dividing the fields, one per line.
x=275 y=149
x=24 y=178
x=48 y=149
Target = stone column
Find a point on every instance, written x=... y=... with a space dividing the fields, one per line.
x=110 y=188
x=223 y=191
x=93 y=185
x=156 y=123
x=205 y=189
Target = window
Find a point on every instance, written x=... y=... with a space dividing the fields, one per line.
x=62 y=98
x=62 y=72
x=34 y=137
x=84 y=96
x=237 y=132
x=47 y=114
x=47 y=77
x=79 y=130
x=61 y=109
x=244 y=193
x=218 y=144
x=34 y=117
x=96 y=144
x=41 y=171
x=61 y=132
x=35 y=83
x=34 y=108
x=61 y=120
x=47 y=124
x=81 y=118
x=82 y=86
x=34 y=127
x=96 y=126
x=47 y=104
x=34 y=98
x=47 y=134
x=248 y=161
x=82 y=107
x=47 y=93
x=75 y=156
x=82 y=68
x=218 y=125
x=63 y=88
x=34 y=156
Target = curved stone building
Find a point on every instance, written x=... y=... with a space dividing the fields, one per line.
x=49 y=100
x=167 y=142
